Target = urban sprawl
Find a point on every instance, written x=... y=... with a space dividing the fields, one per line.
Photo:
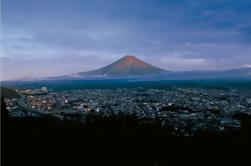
x=186 y=110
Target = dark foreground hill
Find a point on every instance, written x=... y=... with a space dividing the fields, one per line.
x=118 y=140
x=8 y=93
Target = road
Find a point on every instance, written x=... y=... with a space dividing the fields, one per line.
x=22 y=104
x=54 y=113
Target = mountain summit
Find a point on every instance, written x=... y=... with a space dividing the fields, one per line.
x=126 y=66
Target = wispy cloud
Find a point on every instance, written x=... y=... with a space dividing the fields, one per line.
x=83 y=35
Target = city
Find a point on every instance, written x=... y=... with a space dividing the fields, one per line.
x=125 y=83
x=186 y=110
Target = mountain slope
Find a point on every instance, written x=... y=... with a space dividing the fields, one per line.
x=126 y=66
x=231 y=74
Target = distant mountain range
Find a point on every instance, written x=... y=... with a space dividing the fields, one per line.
x=130 y=67
x=231 y=74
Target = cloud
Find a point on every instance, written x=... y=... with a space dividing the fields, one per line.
x=54 y=66
x=247 y=65
x=83 y=35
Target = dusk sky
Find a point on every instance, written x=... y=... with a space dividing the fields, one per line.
x=42 y=38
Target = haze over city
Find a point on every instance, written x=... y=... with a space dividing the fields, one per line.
x=57 y=37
